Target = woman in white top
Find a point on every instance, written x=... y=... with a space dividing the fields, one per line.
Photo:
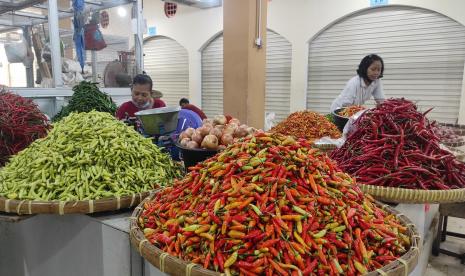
x=367 y=83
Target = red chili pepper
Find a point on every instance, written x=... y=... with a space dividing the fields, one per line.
x=289 y=196
x=214 y=217
x=220 y=259
x=324 y=200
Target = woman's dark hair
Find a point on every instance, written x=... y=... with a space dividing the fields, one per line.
x=366 y=62
x=142 y=79
x=183 y=101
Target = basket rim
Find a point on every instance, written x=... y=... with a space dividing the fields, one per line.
x=407 y=262
x=32 y=207
x=402 y=195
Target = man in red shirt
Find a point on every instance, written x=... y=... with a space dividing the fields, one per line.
x=141 y=92
x=184 y=103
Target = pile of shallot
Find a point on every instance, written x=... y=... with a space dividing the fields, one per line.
x=214 y=134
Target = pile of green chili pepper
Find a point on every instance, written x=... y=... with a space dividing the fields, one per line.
x=271 y=205
x=86 y=156
x=87 y=97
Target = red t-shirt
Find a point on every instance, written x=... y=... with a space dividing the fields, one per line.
x=130 y=108
x=196 y=110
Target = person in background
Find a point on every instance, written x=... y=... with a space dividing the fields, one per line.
x=156 y=96
x=184 y=103
x=186 y=119
x=367 y=83
x=141 y=92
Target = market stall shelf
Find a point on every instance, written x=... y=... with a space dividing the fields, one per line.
x=401 y=195
x=29 y=207
x=175 y=266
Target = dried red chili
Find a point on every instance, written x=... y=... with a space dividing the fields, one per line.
x=394 y=145
x=21 y=122
x=307 y=124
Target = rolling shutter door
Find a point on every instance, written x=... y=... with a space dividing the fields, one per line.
x=166 y=62
x=212 y=78
x=278 y=76
x=423 y=52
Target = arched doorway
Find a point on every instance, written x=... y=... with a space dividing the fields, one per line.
x=166 y=62
x=423 y=51
x=278 y=75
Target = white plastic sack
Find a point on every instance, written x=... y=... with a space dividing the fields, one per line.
x=328 y=140
x=269 y=120
x=16 y=52
x=70 y=65
x=46 y=83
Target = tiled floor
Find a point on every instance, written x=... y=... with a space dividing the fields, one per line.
x=444 y=265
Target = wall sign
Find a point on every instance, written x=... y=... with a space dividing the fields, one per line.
x=152 y=31
x=374 y=3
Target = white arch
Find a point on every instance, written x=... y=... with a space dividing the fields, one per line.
x=354 y=13
x=220 y=33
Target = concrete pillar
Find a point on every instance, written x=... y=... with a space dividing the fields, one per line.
x=244 y=60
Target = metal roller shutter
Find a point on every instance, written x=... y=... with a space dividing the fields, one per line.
x=166 y=62
x=278 y=76
x=212 y=78
x=423 y=52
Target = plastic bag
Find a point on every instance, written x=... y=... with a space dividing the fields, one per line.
x=350 y=127
x=269 y=120
x=93 y=38
x=70 y=65
x=330 y=141
x=16 y=52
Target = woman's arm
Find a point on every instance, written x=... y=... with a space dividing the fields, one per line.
x=347 y=96
x=378 y=93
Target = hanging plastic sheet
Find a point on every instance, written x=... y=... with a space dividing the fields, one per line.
x=79 y=22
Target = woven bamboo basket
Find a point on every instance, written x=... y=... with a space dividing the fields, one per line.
x=458 y=129
x=454 y=144
x=29 y=207
x=174 y=266
x=401 y=195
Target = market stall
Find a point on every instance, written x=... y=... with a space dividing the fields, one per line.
x=354 y=192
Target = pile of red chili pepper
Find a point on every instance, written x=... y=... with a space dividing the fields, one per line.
x=350 y=110
x=271 y=205
x=21 y=122
x=394 y=145
x=307 y=124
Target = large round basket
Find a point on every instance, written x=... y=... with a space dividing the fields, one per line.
x=401 y=195
x=458 y=129
x=29 y=207
x=174 y=266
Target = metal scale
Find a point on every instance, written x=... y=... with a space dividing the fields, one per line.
x=159 y=124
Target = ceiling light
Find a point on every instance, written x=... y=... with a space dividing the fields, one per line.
x=122 y=11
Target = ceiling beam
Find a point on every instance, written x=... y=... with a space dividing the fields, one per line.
x=29 y=15
x=19 y=6
x=45 y=7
